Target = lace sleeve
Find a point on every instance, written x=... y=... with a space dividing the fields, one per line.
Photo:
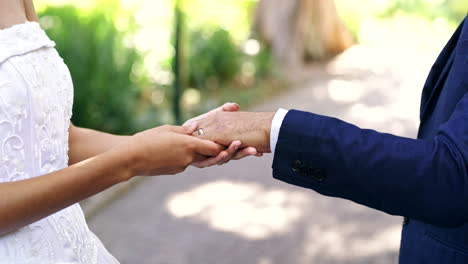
x=14 y=116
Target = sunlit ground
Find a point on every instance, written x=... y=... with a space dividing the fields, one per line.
x=257 y=213
x=243 y=208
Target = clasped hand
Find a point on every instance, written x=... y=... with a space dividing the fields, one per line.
x=248 y=131
x=227 y=135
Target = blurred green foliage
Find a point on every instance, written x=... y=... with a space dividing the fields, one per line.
x=213 y=59
x=221 y=69
x=354 y=15
x=451 y=10
x=217 y=63
x=122 y=88
x=101 y=63
x=216 y=66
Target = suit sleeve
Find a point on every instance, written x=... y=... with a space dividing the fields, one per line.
x=425 y=180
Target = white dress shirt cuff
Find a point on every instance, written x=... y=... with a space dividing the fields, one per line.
x=275 y=128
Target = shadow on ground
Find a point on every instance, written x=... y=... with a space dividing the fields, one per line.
x=239 y=214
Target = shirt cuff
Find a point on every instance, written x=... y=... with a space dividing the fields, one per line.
x=275 y=128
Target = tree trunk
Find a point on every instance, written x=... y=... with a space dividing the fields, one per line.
x=300 y=31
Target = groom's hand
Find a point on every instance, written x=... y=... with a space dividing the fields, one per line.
x=251 y=128
x=234 y=151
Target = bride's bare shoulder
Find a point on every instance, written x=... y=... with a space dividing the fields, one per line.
x=12 y=12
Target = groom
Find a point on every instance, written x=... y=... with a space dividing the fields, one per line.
x=425 y=179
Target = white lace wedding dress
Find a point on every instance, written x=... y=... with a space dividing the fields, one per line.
x=36 y=97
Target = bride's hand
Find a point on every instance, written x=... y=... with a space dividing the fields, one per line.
x=166 y=150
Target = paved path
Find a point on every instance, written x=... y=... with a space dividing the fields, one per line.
x=238 y=214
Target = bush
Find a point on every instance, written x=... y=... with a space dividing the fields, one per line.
x=100 y=64
x=213 y=58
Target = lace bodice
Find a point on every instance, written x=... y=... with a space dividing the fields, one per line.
x=36 y=97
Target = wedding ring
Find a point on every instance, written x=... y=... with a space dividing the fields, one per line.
x=200 y=132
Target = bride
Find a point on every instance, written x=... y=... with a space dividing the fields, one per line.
x=47 y=165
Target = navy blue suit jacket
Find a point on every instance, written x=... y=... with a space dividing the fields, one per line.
x=424 y=179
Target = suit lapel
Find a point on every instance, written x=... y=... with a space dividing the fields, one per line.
x=439 y=71
x=462 y=47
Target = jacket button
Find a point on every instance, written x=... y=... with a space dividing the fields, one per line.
x=297 y=166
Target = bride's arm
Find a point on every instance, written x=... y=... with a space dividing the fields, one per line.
x=24 y=202
x=86 y=143
x=159 y=151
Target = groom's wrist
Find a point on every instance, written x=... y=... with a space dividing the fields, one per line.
x=265 y=120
